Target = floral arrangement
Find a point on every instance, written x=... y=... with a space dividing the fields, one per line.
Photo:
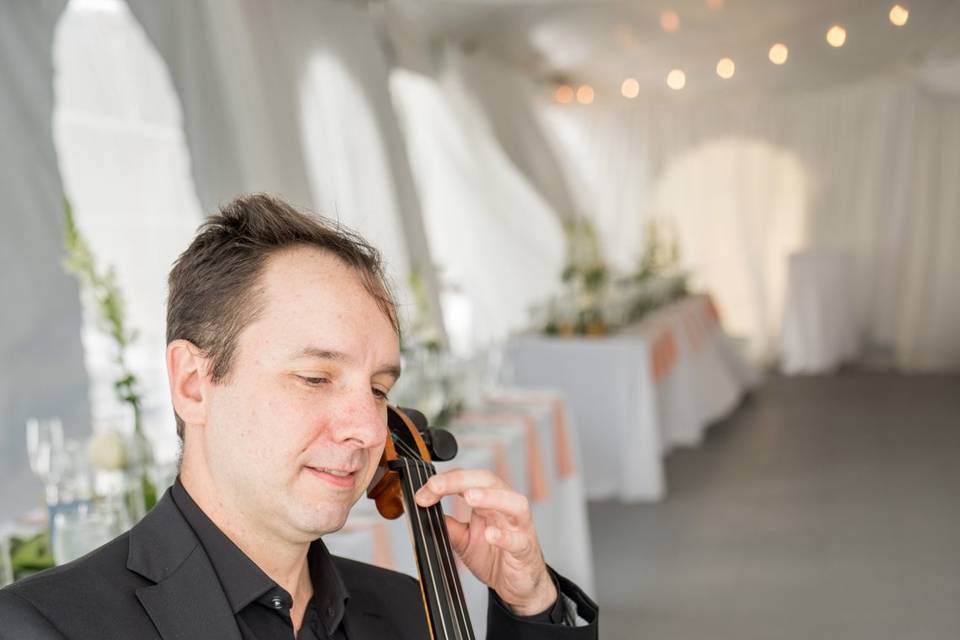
x=661 y=252
x=422 y=331
x=594 y=302
x=29 y=555
x=585 y=277
x=108 y=451
x=656 y=277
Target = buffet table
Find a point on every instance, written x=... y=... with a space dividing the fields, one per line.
x=654 y=385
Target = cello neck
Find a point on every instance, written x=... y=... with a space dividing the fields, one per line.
x=444 y=602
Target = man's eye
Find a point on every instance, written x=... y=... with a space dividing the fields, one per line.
x=313 y=381
x=380 y=393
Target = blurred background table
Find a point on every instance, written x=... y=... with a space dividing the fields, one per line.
x=653 y=385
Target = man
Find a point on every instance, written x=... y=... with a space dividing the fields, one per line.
x=283 y=344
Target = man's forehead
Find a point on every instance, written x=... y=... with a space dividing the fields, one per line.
x=318 y=297
x=305 y=259
x=312 y=280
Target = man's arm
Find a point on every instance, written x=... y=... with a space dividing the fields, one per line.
x=573 y=616
x=19 y=619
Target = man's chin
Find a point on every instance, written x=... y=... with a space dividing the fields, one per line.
x=318 y=521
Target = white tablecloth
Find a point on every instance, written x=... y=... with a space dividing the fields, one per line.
x=654 y=385
x=819 y=331
x=519 y=435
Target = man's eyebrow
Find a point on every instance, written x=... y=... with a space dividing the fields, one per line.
x=323 y=354
x=391 y=370
x=339 y=356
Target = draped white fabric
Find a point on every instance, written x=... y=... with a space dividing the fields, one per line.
x=291 y=98
x=495 y=240
x=42 y=372
x=869 y=169
x=508 y=100
x=126 y=171
x=818 y=334
x=286 y=98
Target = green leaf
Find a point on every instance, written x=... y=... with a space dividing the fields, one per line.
x=103 y=287
x=30 y=555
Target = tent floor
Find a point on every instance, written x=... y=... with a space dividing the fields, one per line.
x=825 y=507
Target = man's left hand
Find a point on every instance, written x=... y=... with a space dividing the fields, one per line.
x=499 y=544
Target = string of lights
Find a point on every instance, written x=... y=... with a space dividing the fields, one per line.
x=676 y=78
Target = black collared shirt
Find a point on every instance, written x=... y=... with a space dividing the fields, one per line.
x=260 y=605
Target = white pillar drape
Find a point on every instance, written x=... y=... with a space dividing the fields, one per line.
x=42 y=372
x=291 y=98
x=508 y=100
x=497 y=242
x=120 y=145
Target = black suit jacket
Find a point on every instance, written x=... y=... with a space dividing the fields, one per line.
x=156 y=582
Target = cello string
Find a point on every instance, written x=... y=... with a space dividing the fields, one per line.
x=423 y=473
x=409 y=479
x=447 y=560
x=461 y=600
x=447 y=556
x=435 y=517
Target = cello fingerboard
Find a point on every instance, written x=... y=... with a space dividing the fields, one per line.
x=447 y=615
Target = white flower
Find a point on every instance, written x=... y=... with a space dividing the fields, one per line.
x=108 y=451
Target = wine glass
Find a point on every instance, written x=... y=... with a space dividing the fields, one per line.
x=44 y=450
x=6 y=562
x=82 y=529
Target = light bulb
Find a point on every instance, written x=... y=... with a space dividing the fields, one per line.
x=676 y=79
x=669 y=21
x=726 y=68
x=778 y=53
x=899 y=15
x=836 y=36
x=584 y=94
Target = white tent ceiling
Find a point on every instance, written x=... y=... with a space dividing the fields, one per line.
x=602 y=43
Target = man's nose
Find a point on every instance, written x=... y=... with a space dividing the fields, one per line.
x=361 y=420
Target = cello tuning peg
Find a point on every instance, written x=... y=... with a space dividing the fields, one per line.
x=417 y=418
x=441 y=443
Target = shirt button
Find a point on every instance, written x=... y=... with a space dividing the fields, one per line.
x=276 y=602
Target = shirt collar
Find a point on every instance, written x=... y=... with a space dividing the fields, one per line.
x=244 y=582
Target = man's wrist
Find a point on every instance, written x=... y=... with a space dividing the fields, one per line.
x=542 y=601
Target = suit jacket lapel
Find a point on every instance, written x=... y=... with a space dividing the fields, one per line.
x=187 y=600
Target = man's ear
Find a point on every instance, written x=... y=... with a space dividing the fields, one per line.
x=185 y=370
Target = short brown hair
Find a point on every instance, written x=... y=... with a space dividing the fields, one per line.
x=212 y=287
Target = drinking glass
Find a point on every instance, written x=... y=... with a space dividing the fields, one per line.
x=6 y=562
x=81 y=530
x=44 y=441
x=44 y=450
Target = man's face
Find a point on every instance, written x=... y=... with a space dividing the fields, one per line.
x=294 y=434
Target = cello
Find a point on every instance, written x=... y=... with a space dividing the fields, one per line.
x=405 y=466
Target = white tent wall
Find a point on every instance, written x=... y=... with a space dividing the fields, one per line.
x=497 y=242
x=43 y=372
x=509 y=102
x=288 y=97
x=126 y=170
x=870 y=169
x=291 y=98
